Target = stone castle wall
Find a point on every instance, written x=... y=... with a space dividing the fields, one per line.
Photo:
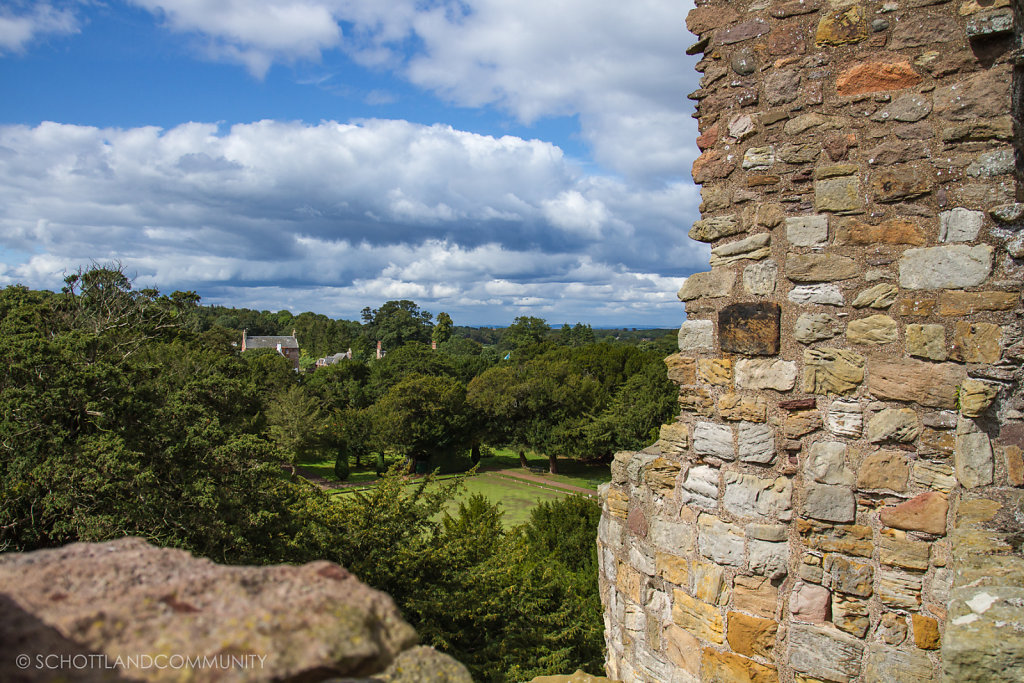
x=840 y=497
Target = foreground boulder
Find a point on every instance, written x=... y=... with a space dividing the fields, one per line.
x=126 y=610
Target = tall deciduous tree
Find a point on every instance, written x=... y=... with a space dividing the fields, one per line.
x=442 y=331
x=396 y=323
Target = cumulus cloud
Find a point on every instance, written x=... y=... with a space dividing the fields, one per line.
x=20 y=25
x=618 y=66
x=346 y=214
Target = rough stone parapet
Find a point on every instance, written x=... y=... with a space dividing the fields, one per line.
x=840 y=497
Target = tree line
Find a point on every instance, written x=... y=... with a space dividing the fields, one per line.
x=128 y=412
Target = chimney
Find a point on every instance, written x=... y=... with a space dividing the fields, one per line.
x=433 y=345
x=244 y=335
x=378 y=350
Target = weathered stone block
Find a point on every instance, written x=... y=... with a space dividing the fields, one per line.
x=826 y=463
x=820 y=267
x=712 y=284
x=725 y=666
x=884 y=470
x=845 y=418
x=899 y=183
x=812 y=327
x=671 y=537
x=874 y=330
x=899 y=590
x=810 y=603
x=708 y=583
x=711 y=229
x=755 y=594
x=894 y=424
x=980 y=96
x=774 y=374
x=768 y=558
x=882 y=75
x=948 y=267
x=750 y=329
x=829 y=503
x=977 y=342
x=700 y=487
x=840 y=195
x=717 y=371
x=752 y=636
x=889 y=664
x=683 y=650
x=906 y=108
x=850 y=615
x=926 y=633
x=681 y=369
x=720 y=541
x=973 y=459
x=976 y=396
x=672 y=568
x=933 y=475
x=927 y=341
x=754 y=248
x=960 y=225
x=698 y=618
x=696 y=335
x=743 y=407
x=905 y=379
x=895 y=549
x=802 y=422
x=825 y=653
x=925 y=512
x=882 y=295
x=749 y=496
x=893 y=231
x=847 y=576
x=958 y=303
x=842 y=26
x=696 y=399
x=713 y=440
x=977 y=647
x=758 y=158
x=756 y=443
x=807 y=231
x=832 y=371
x=824 y=294
x=759 y=278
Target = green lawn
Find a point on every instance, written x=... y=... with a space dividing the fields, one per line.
x=573 y=472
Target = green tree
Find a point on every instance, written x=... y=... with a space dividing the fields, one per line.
x=396 y=323
x=525 y=331
x=423 y=417
x=294 y=420
x=442 y=331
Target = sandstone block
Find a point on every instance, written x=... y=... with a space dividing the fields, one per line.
x=759 y=278
x=874 y=330
x=906 y=379
x=980 y=96
x=840 y=195
x=924 y=30
x=810 y=603
x=715 y=283
x=906 y=108
x=814 y=121
x=895 y=549
x=820 y=268
x=758 y=158
x=894 y=231
x=698 y=618
x=683 y=649
x=752 y=636
x=755 y=594
x=700 y=487
x=832 y=371
x=671 y=537
x=842 y=26
x=797 y=153
x=709 y=584
x=845 y=418
x=973 y=459
x=927 y=341
x=768 y=558
x=850 y=615
x=898 y=183
x=617 y=503
x=976 y=396
x=681 y=369
x=960 y=225
x=713 y=164
x=756 y=443
x=749 y=329
x=926 y=633
x=958 y=303
x=743 y=407
x=774 y=374
x=807 y=231
x=825 y=653
x=812 y=327
x=893 y=628
x=716 y=371
x=899 y=590
x=889 y=664
x=847 y=576
x=882 y=295
x=894 y=424
x=884 y=470
x=829 y=503
x=977 y=342
x=824 y=294
x=674 y=437
x=725 y=666
x=714 y=440
x=976 y=647
x=802 y=422
x=749 y=496
x=826 y=464
x=925 y=512
x=698 y=400
x=787 y=40
x=738 y=33
x=672 y=568
x=720 y=541
x=696 y=335
x=948 y=267
x=876 y=76
x=933 y=475
x=754 y=248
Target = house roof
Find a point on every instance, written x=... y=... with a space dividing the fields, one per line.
x=286 y=342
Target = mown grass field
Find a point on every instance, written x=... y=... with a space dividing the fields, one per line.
x=516 y=496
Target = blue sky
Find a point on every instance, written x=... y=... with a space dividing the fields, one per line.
x=485 y=158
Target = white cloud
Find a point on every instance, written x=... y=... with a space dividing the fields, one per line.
x=18 y=29
x=346 y=214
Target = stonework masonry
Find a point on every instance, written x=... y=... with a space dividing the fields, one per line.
x=841 y=497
